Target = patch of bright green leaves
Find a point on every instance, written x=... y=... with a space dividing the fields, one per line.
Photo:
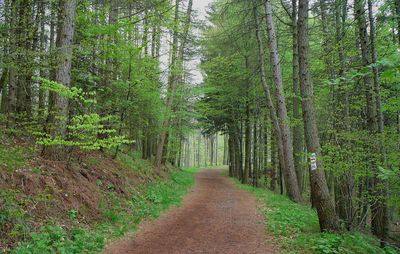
x=84 y=129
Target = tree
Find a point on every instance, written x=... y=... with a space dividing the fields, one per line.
x=319 y=189
x=176 y=66
x=279 y=123
x=58 y=113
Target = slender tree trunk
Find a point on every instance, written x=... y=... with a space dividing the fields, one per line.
x=293 y=194
x=231 y=153
x=297 y=127
x=42 y=46
x=265 y=145
x=12 y=71
x=380 y=223
x=328 y=219
x=6 y=56
x=247 y=158
x=255 y=154
x=225 y=149
x=291 y=183
x=274 y=160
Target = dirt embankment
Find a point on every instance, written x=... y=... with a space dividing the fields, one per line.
x=44 y=191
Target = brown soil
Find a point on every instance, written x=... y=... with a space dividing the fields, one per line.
x=52 y=193
x=216 y=217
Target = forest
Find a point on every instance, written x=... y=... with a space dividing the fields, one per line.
x=111 y=111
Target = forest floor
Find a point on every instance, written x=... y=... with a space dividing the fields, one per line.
x=216 y=217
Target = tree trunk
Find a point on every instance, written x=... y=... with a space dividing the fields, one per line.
x=42 y=46
x=274 y=160
x=380 y=222
x=255 y=154
x=57 y=119
x=247 y=158
x=328 y=219
x=231 y=153
x=12 y=71
x=297 y=128
x=291 y=183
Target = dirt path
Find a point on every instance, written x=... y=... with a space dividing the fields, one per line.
x=216 y=217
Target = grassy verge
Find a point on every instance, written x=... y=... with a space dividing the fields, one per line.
x=297 y=231
x=148 y=202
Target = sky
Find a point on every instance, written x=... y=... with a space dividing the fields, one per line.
x=200 y=7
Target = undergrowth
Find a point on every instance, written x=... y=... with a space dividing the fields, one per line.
x=147 y=201
x=133 y=161
x=297 y=230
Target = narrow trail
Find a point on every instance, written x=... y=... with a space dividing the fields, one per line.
x=216 y=217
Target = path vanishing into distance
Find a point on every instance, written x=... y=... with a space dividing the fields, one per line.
x=215 y=217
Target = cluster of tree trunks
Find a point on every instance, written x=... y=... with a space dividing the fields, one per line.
x=286 y=155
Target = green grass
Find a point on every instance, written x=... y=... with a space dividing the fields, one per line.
x=296 y=228
x=121 y=216
x=135 y=163
x=11 y=158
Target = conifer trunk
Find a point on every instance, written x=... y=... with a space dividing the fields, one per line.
x=321 y=198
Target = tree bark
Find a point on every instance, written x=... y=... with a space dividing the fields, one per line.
x=324 y=204
x=291 y=183
x=58 y=115
x=297 y=128
x=247 y=152
x=12 y=71
x=380 y=222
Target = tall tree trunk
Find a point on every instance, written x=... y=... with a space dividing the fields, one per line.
x=247 y=158
x=378 y=208
x=293 y=194
x=255 y=154
x=6 y=45
x=231 y=154
x=57 y=118
x=380 y=223
x=328 y=219
x=291 y=183
x=274 y=160
x=265 y=146
x=12 y=71
x=42 y=47
x=297 y=127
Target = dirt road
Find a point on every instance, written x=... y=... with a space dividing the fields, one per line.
x=216 y=217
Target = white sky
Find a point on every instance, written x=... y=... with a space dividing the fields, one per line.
x=200 y=7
